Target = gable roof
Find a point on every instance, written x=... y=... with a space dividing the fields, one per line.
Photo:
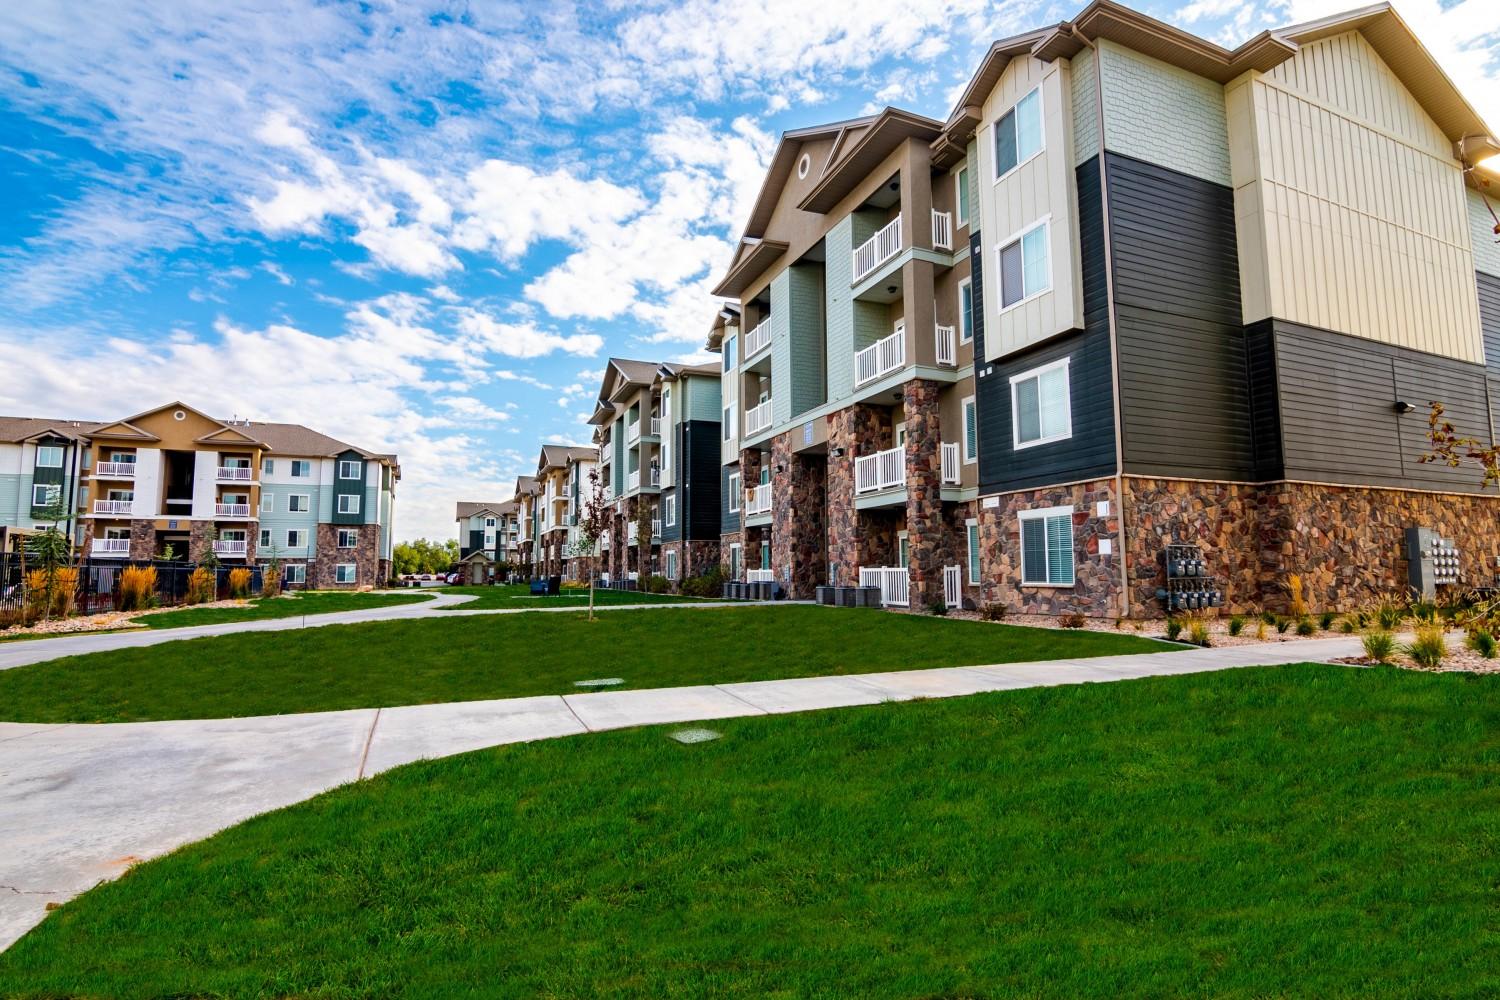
x=557 y=456
x=888 y=130
x=468 y=508
x=15 y=430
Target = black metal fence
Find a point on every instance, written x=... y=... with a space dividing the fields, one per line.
x=98 y=587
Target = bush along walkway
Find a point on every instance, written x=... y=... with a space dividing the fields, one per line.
x=99 y=798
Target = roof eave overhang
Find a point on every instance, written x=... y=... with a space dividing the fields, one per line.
x=754 y=257
x=890 y=129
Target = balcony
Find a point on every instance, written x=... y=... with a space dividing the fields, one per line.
x=231 y=510
x=758 y=419
x=656 y=527
x=114 y=470
x=633 y=479
x=758 y=499
x=942 y=230
x=758 y=339
x=884 y=470
x=633 y=432
x=894 y=583
x=880 y=358
x=656 y=426
x=231 y=548
x=946 y=338
x=876 y=250
x=234 y=474
x=118 y=507
x=110 y=548
x=951 y=467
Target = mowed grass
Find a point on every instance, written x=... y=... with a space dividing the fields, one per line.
x=519 y=596
x=1307 y=831
x=503 y=656
x=291 y=605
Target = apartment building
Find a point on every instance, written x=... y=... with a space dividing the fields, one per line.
x=489 y=535
x=849 y=432
x=528 y=513
x=562 y=475
x=173 y=480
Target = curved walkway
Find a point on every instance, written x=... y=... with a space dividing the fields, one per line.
x=81 y=803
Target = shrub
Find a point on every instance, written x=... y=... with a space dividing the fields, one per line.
x=270 y=580
x=993 y=612
x=710 y=584
x=1305 y=627
x=137 y=588
x=1424 y=612
x=1074 y=620
x=657 y=584
x=53 y=596
x=1260 y=630
x=201 y=586
x=1282 y=624
x=1379 y=646
x=1236 y=624
x=1198 y=632
x=1174 y=628
x=239 y=583
x=1325 y=620
x=1428 y=648
x=1348 y=625
x=939 y=608
x=1483 y=643
x=1296 y=603
x=1269 y=617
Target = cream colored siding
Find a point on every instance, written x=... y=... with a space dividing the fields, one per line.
x=1042 y=187
x=1482 y=232
x=1159 y=113
x=1350 y=207
x=1085 y=108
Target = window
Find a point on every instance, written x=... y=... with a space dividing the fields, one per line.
x=301 y=468
x=489 y=522
x=1018 y=134
x=734 y=560
x=122 y=457
x=1047 y=547
x=971 y=431
x=903 y=549
x=268 y=467
x=961 y=196
x=671 y=564
x=348 y=538
x=965 y=311
x=46 y=495
x=804 y=164
x=348 y=470
x=49 y=456
x=765 y=555
x=343 y=573
x=296 y=538
x=734 y=492
x=294 y=573
x=265 y=538
x=731 y=353
x=729 y=422
x=1041 y=410
x=268 y=503
x=669 y=510
x=1024 y=269
x=973 y=533
x=298 y=503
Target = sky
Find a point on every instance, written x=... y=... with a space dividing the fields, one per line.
x=422 y=227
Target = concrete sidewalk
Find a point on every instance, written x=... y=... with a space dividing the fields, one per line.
x=81 y=803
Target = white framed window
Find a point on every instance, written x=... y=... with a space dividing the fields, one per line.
x=971 y=527
x=348 y=470
x=1024 y=269
x=348 y=538
x=669 y=510
x=671 y=564
x=1019 y=134
x=49 y=456
x=734 y=560
x=961 y=194
x=349 y=503
x=268 y=467
x=971 y=431
x=296 y=538
x=965 y=310
x=122 y=457
x=268 y=503
x=489 y=522
x=344 y=573
x=730 y=355
x=903 y=549
x=299 y=503
x=1047 y=547
x=265 y=538
x=729 y=422
x=45 y=494
x=301 y=468
x=294 y=573
x=734 y=492
x=1041 y=409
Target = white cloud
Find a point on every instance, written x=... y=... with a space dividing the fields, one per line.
x=524 y=340
x=275 y=271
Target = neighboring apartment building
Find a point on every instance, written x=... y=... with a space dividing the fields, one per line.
x=488 y=534
x=528 y=512
x=562 y=473
x=1211 y=294
x=173 y=479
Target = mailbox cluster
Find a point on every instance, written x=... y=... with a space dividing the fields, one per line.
x=1189 y=587
x=1433 y=561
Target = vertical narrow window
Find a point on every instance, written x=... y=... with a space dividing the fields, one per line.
x=973 y=533
x=730 y=344
x=961 y=196
x=729 y=422
x=965 y=311
x=971 y=430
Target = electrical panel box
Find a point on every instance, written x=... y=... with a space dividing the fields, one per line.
x=1432 y=561
x=1189 y=585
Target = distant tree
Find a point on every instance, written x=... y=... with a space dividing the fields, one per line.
x=593 y=522
x=424 y=556
x=1453 y=450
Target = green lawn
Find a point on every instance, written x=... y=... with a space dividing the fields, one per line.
x=483 y=656
x=1308 y=831
x=289 y=606
x=519 y=596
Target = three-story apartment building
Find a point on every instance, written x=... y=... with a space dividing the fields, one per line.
x=528 y=513
x=489 y=534
x=561 y=477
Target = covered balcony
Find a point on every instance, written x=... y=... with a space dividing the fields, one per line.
x=110 y=548
x=758 y=339
x=114 y=508
x=880 y=358
x=234 y=474
x=875 y=251
x=231 y=548
x=115 y=470
x=884 y=470
x=758 y=418
x=758 y=499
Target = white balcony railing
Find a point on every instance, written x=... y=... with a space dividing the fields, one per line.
x=114 y=506
x=633 y=432
x=656 y=426
x=894 y=583
x=758 y=418
x=633 y=479
x=656 y=527
x=231 y=548
x=760 y=576
x=942 y=230
x=953 y=586
x=876 y=250
x=231 y=510
x=758 y=339
x=884 y=470
x=653 y=476
x=880 y=358
x=234 y=474
x=115 y=470
x=110 y=547
x=758 y=499
x=947 y=346
x=951 y=476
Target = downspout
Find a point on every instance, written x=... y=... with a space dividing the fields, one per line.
x=1114 y=345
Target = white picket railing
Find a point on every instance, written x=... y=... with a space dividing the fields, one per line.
x=894 y=583
x=632 y=432
x=656 y=426
x=953 y=586
x=115 y=470
x=880 y=358
x=760 y=576
x=231 y=548
x=231 y=510
x=951 y=473
x=633 y=479
x=884 y=470
x=947 y=346
x=942 y=230
x=656 y=527
x=114 y=506
x=876 y=250
x=758 y=339
x=234 y=473
x=654 y=476
x=110 y=547
x=758 y=499
x=758 y=418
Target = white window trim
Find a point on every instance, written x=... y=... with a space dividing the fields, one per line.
x=669 y=516
x=354 y=478
x=1015 y=424
x=963 y=413
x=304 y=463
x=49 y=487
x=1040 y=514
x=1005 y=244
x=267 y=540
x=268 y=503
x=291 y=507
x=729 y=422
x=268 y=466
x=1041 y=111
x=735 y=489
x=61 y=456
x=959 y=219
x=358 y=501
x=297 y=544
x=339 y=539
x=338 y=572
x=969 y=284
x=294 y=572
x=970 y=539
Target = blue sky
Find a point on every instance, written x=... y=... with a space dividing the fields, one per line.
x=423 y=226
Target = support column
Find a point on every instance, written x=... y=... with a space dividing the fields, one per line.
x=798 y=540
x=928 y=546
x=860 y=429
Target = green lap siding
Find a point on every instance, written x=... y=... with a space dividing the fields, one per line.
x=839 y=309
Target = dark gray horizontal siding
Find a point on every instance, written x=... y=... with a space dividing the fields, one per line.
x=729 y=521
x=1184 y=385
x=701 y=496
x=669 y=532
x=1265 y=406
x=1489 y=318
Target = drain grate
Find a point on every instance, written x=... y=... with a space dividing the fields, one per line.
x=599 y=682
x=695 y=735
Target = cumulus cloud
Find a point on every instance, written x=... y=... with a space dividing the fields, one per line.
x=524 y=340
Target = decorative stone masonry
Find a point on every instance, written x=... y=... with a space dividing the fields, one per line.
x=662 y=568
x=725 y=541
x=142 y=539
x=956 y=524
x=365 y=556
x=1223 y=518
x=1096 y=587
x=798 y=538
x=200 y=540
x=928 y=545
x=755 y=539
x=860 y=429
x=698 y=557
